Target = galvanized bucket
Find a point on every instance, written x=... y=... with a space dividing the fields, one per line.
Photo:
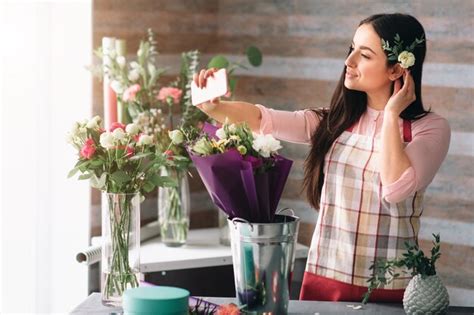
x=263 y=255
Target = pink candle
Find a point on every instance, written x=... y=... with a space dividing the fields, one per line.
x=110 y=105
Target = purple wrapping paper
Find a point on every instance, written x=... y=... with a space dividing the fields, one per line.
x=233 y=187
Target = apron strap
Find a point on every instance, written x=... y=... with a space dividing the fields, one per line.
x=407 y=130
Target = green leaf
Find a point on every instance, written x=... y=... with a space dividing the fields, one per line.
x=232 y=84
x=162 y=181
x=85 y=176
x=97 y=162
x=120 y=177
x=140 y=156
x=218 y=62
x=148 y=186
x=72 y=172
x=254 y=55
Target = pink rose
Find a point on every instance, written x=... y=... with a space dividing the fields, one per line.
x=172 y=92
x=130 y=93
x=88 y=149
x=116 y=125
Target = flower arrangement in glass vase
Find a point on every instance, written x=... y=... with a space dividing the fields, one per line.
x=124 y=164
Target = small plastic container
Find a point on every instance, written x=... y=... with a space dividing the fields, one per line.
x=156 y=300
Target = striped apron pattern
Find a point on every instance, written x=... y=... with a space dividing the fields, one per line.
x=356 y=225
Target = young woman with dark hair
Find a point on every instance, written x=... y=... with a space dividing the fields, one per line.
x=374 y=151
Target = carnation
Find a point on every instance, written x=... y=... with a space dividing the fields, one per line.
x=266 y=145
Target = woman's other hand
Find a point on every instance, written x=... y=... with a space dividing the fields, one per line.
x=402 y=96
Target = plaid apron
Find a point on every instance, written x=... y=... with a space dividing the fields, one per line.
x=356 y=225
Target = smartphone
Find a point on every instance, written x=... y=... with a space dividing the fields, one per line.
x=216 y=86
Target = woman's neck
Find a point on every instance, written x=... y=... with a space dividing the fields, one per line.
x=378 y=100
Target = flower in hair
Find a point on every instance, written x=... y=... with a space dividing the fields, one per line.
x=405 y=57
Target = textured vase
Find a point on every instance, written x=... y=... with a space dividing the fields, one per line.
x=425 y=296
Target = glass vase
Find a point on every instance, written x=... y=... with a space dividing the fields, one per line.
x=173 y=208
x=224 y=233
x=120 y=245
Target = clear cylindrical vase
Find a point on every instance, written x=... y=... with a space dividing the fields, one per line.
x=120 y=245
x=173 y=208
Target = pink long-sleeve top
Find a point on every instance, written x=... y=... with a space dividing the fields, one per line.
x=427 y=150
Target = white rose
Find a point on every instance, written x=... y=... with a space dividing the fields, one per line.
x=132 y=129
x=176 y=136
x=406 y=59
x=133 y=75
x=266 y=145
x=107 y=140
x=117 y=87
x=93 y=123
x=134 y=65
x=145 y=140
x=121 y=61
x=118 y=134
x=220 y=133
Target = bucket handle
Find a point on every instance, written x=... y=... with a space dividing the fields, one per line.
x=235 y=220
x=284 y=209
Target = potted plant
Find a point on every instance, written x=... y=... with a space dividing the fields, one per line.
x=425 y=293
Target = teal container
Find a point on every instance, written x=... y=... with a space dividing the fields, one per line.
x=156 y=300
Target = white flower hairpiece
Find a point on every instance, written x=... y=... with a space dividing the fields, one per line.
x=405 y=57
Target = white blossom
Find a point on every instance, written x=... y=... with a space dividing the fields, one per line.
x=406 y=59
x=121 y=61
x=134 y=75
x=266 y=145
x=151 y=69
x=132 y=129
x=220 y=133
x=118 y=134
x=232 y=128
x=107 y=140
x=176 y=136
x=93 y=122
x=134 y=65
x=145 y=140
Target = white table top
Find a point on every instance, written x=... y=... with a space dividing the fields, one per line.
x=201 y=250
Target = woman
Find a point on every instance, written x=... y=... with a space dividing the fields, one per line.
x=373 y=153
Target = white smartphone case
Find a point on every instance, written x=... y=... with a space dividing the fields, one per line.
x=216 y=86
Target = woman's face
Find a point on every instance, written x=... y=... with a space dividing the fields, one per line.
x=366 y=65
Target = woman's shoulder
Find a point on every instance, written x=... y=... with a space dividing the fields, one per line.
x=431 y=121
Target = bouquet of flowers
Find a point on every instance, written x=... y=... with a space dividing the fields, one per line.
x=121 y=162
x=242 y=171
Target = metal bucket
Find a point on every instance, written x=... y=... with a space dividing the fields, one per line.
x=263 y=255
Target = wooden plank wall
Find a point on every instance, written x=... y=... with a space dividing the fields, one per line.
x=304 y=44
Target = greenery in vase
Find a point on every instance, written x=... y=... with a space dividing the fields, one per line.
x=414 y=260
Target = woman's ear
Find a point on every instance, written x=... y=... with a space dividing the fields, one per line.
x=396 y=72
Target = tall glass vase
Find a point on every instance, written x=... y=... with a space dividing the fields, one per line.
x=120 y=245
x=173 y=208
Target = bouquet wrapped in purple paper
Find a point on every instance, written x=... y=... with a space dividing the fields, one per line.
x=242 y=171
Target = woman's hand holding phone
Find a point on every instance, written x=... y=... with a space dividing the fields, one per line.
x=207 y=86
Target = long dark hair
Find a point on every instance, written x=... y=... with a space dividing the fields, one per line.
x=347 y=106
